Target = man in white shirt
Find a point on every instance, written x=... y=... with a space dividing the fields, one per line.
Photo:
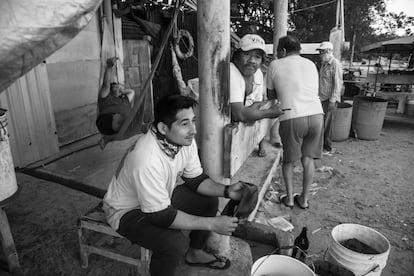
x=145 y=204
x=294 y=81
x=247 y=88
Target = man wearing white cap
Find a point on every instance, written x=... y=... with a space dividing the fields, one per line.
x=247 y=88
x=330 y=87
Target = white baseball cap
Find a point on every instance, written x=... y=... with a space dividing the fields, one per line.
x=326 y=45
x=252 y=41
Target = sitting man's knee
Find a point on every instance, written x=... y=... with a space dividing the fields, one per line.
x=176 y=245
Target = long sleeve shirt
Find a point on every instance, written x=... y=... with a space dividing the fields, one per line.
x=330 y=81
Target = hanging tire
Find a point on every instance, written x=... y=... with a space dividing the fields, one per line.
x=184 y=34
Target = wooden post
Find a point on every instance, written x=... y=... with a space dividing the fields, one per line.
x=7 y=243
x=280 y=10
x=108 y=15
x=213 y=24
x=119 y=49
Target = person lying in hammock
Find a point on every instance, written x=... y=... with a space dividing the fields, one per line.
x=114 y=102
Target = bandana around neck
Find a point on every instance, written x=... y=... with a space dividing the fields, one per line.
x=169 y=148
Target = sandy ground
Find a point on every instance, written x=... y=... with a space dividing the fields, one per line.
x=369 y=183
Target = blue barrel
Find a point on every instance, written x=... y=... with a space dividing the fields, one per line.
x=368 y=116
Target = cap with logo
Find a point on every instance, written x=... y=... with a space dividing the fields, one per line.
x=251 y=42
x=326 y=45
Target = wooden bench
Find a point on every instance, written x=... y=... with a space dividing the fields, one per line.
x=94 y=222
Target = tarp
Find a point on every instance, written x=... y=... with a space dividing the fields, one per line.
x=403 y=45
x=31 y=30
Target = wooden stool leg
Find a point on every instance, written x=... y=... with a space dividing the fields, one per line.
x=83 y=252
x=8 y=245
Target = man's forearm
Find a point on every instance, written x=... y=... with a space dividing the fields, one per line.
x=209 y=187
x=184 y=221
x=252 y=114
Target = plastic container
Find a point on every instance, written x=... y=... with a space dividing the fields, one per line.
x=281 y=223
x=368 y=116
x=280 y=265
x=359 y=263
x=342 y=119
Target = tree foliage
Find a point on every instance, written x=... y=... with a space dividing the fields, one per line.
x=312 y=20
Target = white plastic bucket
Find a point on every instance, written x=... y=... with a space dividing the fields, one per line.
x=359 y=263
x=280 y=265
x=8 y=182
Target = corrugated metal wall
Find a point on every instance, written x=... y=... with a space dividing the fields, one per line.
x=31 y=122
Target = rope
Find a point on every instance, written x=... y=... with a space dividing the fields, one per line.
x=190 y=48
x=138 y=101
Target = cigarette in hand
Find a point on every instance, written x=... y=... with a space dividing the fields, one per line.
x=285 y=109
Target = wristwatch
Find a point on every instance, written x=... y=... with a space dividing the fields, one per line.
x=226 y=191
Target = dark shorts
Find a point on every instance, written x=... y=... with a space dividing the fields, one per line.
x=302 y=137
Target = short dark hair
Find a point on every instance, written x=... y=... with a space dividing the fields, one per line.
x=290 y=43
x=104 y=124
x=167 y=108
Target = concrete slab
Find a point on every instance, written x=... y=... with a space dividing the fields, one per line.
x=89 y=169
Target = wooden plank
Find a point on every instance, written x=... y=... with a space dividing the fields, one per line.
x=99 y=227
x=75 y=123
x=137 y=67
x=114 y=256
x=265 y=185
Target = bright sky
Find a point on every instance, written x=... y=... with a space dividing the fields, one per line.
x=397 y=6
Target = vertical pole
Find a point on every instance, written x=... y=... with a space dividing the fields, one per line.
x=353 y=49
x=213 y=25
x=342 y=21
x=338 y=14
x=280 y=10
x=119 y=51
x=108 y=13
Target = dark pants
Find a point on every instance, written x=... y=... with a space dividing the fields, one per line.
x=168 y=246
x=328 y=118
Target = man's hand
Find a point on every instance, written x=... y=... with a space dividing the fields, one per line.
x=110 y=62
x=331 y=106
x=235 y=190
x=275 y=110
x=224 y=225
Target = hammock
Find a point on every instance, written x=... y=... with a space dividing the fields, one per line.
x=133 y=123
